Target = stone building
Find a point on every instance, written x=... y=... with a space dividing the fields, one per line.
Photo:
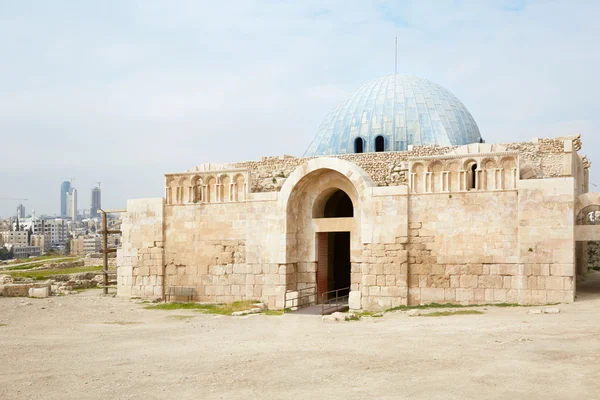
x=398 y=200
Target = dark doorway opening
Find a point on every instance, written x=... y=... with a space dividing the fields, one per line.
x=339 y=205
x=379 y=143
x=339 y=250
x=333 y=264
x=359 y=145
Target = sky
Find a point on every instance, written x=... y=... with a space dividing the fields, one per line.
x=123 y=91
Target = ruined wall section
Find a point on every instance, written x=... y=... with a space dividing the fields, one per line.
x=547 y=239
x=544 y=157
x=463 y=248
x=593 y=255
x=381 y=276
x=223 y=251
x=140 y=260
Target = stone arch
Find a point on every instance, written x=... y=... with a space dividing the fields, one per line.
x=328 y=199
x=453 y=175
x=183 y=190
x=356 y=175
x=471 y=166
x=436 y=168
x=240 y=187
x=417 y=173
x=170 y=190
x=211 y=190
x=489 y=174
x=586 y=216
x=586 y=202
x=509 y=172
x=197 y=183
x=307 y=186
x=225 y=182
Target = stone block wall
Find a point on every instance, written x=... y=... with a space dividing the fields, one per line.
x=141 y=258
x=545 y=156
x=381 y=276
x=593 y=254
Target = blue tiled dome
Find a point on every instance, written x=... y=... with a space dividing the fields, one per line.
x=395 y=111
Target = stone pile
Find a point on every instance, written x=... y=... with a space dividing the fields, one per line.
x=68 y=284
x=259 y=307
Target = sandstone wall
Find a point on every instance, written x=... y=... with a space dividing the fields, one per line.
x=488 y=244
x=140 y=260
x=545 y=156
x=225 y=251
x=593 y=254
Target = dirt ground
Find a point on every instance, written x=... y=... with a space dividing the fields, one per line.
x=89 y=347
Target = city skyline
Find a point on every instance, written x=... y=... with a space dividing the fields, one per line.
x=81 y=88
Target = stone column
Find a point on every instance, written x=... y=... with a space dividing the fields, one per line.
x=429 y=182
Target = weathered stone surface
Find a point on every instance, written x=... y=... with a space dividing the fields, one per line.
x=39 y=292
x=21 y=289
x=482 y=223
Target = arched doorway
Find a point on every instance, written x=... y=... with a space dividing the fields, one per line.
x=305 y=194
x=587 y=246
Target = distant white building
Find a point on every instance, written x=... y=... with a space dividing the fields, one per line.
x=24 y=251
x=14 y=238
x=92 y=245
x=72 y=204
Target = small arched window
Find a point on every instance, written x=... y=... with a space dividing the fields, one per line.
x=473 y=175
x=359 y=145
x=379 y=143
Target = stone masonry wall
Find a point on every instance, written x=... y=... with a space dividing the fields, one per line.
x=222 y=251
x=546 y=157
x=593 y=256
x=381 y=277
x=141 y=257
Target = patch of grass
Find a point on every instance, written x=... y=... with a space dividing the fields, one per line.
x=447 y=313
x=426 y=306
x=3 y=325
x=370 y=314
x=450 y=305
x=181 y=317
x=38 y=264
x=273 y=312
x=47 y=273
x=354 y=317
x=223 y=309
x=122 y=323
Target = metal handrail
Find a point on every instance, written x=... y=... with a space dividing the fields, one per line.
x=303 y=294
x=335 y=303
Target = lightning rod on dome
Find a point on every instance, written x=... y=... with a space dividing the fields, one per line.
x=396 y=56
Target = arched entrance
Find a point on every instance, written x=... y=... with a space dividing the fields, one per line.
x=587 y=247
x=323 y=200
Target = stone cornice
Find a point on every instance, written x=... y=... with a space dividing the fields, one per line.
x=213 y=172
x=466 y=155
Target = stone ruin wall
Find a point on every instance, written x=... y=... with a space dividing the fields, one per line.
x=593 y=255
x=545 y=158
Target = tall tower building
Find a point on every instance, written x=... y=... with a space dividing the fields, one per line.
x=65 y=187
x=21 y=211
x=96 y=202
x=72 y=204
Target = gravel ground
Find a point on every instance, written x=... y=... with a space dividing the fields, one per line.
x=88 y=347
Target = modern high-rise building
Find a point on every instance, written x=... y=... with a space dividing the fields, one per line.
x=96 y=202
x=72 y=204
x=65 y=187
x=21 y=211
